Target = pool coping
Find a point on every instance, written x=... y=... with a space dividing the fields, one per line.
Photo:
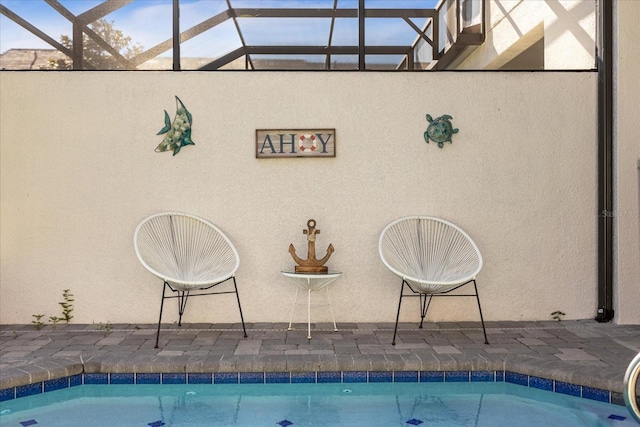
x=519 y=367
x=311 y=377
x=606 y=348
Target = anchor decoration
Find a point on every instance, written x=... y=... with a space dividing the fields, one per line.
x=311 y=264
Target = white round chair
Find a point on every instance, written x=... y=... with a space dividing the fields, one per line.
x=190 y=254
x=432 y=257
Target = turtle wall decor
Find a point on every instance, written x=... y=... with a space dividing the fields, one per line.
x=439 y=130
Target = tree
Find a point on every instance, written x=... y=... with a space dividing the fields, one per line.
x=96 y=56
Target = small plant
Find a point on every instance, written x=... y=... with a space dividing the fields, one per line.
x=557 y=315
x=106 y=328
x=38 y=321
x=67 y=305
x=54 y=320
x=67 y=308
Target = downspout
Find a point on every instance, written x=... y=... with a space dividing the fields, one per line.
x=361 y=38
x=176 y=35
x=604 y=62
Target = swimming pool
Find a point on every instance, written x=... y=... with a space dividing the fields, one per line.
x=314 y=404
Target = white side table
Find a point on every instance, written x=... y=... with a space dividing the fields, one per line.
x=312 y=282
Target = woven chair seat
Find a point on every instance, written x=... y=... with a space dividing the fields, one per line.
x=190 y=254
x=184 y=250
x=431 y=254
x=432 y=257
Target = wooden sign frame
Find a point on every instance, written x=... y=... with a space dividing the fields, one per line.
x=273 y=143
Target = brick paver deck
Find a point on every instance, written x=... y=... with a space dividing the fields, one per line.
x=579 y=352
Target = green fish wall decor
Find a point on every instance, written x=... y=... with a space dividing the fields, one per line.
x=178 y=133
x=440 y=130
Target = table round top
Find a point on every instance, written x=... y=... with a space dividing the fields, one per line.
x=326 y=275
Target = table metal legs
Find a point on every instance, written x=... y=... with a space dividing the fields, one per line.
x=295 y=302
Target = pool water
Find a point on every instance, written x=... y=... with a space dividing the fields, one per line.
x=298 y=405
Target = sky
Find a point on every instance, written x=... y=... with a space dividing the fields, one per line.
x=149 y=22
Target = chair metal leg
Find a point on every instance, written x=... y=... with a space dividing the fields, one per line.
x=244 y=329
x=395 y=331
x=164 y=288
x=484 y=330
x=424 y=307
x=182 y=304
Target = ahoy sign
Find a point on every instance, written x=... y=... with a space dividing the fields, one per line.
x=295 y=143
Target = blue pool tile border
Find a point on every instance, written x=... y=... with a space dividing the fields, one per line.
x=431 y=376
x=198 y=378
x=567 y=388
x=56 y=384
x=405 y=377
x=122 y=379
x=328 y=377
x=483 y=376
x=515 y=378
x=174 y=378
x=76 y=380
x=28 y=390
x=596 y=394
x=145 y=378
x=252 y=378
x=381 y=377
x=277 y=377
x=226 y=377
x=303 y=377
x=7 y=394
x=311 y=377
x=355 y=377
x=541 y=383
x=456 y=376
x=96 y=379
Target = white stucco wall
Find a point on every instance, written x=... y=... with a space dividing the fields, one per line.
x=79 y=172
x=567 y=26
x=627 y=164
